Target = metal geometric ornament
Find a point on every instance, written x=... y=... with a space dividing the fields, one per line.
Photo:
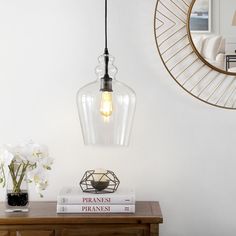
x=104 y=181
x=172 y=34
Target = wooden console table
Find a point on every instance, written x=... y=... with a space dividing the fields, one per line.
x=42 y=220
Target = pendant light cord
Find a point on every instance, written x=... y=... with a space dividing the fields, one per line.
x=106 y=49
x=106 y=80
x=106 y=53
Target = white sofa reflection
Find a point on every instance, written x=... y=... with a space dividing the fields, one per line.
x=212 y=49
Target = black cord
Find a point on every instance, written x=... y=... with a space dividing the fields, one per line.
x=106 y=49
x=105 y=24
x=106 y=80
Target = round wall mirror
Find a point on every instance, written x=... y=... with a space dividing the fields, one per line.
x=206 y=37
x=196 y=40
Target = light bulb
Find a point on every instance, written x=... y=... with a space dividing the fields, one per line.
x=106 y=104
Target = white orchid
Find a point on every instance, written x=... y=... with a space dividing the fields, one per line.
x=29 y=158
x=5 y=159
x=46 y=163
x=39 y=177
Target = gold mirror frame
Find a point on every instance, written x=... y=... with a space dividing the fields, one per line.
x=182 y=60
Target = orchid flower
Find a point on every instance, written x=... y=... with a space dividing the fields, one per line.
x=29 y=158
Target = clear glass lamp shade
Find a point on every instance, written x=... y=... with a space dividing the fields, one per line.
x=106 y=118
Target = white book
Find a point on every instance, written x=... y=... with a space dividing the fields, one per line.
x=72 y=195
x=95 y=208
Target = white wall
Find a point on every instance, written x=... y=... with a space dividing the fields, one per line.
x=182 y=151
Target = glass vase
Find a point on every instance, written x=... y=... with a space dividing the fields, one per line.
x=17 y=195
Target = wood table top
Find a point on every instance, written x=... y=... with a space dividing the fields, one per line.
x=45 y=213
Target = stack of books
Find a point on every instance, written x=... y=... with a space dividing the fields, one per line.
x=73 y=200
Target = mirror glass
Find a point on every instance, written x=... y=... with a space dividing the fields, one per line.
x=212 y=30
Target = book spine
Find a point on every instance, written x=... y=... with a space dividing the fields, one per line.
x=108 y=200
x=95 y=208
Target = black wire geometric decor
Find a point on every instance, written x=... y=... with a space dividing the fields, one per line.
x=99 y=181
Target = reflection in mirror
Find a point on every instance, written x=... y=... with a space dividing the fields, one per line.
x=210 y=41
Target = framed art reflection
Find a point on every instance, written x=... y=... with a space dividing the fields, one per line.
x=200 y=19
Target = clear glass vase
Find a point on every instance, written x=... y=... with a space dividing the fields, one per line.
x=17 y=194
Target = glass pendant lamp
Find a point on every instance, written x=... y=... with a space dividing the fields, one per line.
x=106 y=106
